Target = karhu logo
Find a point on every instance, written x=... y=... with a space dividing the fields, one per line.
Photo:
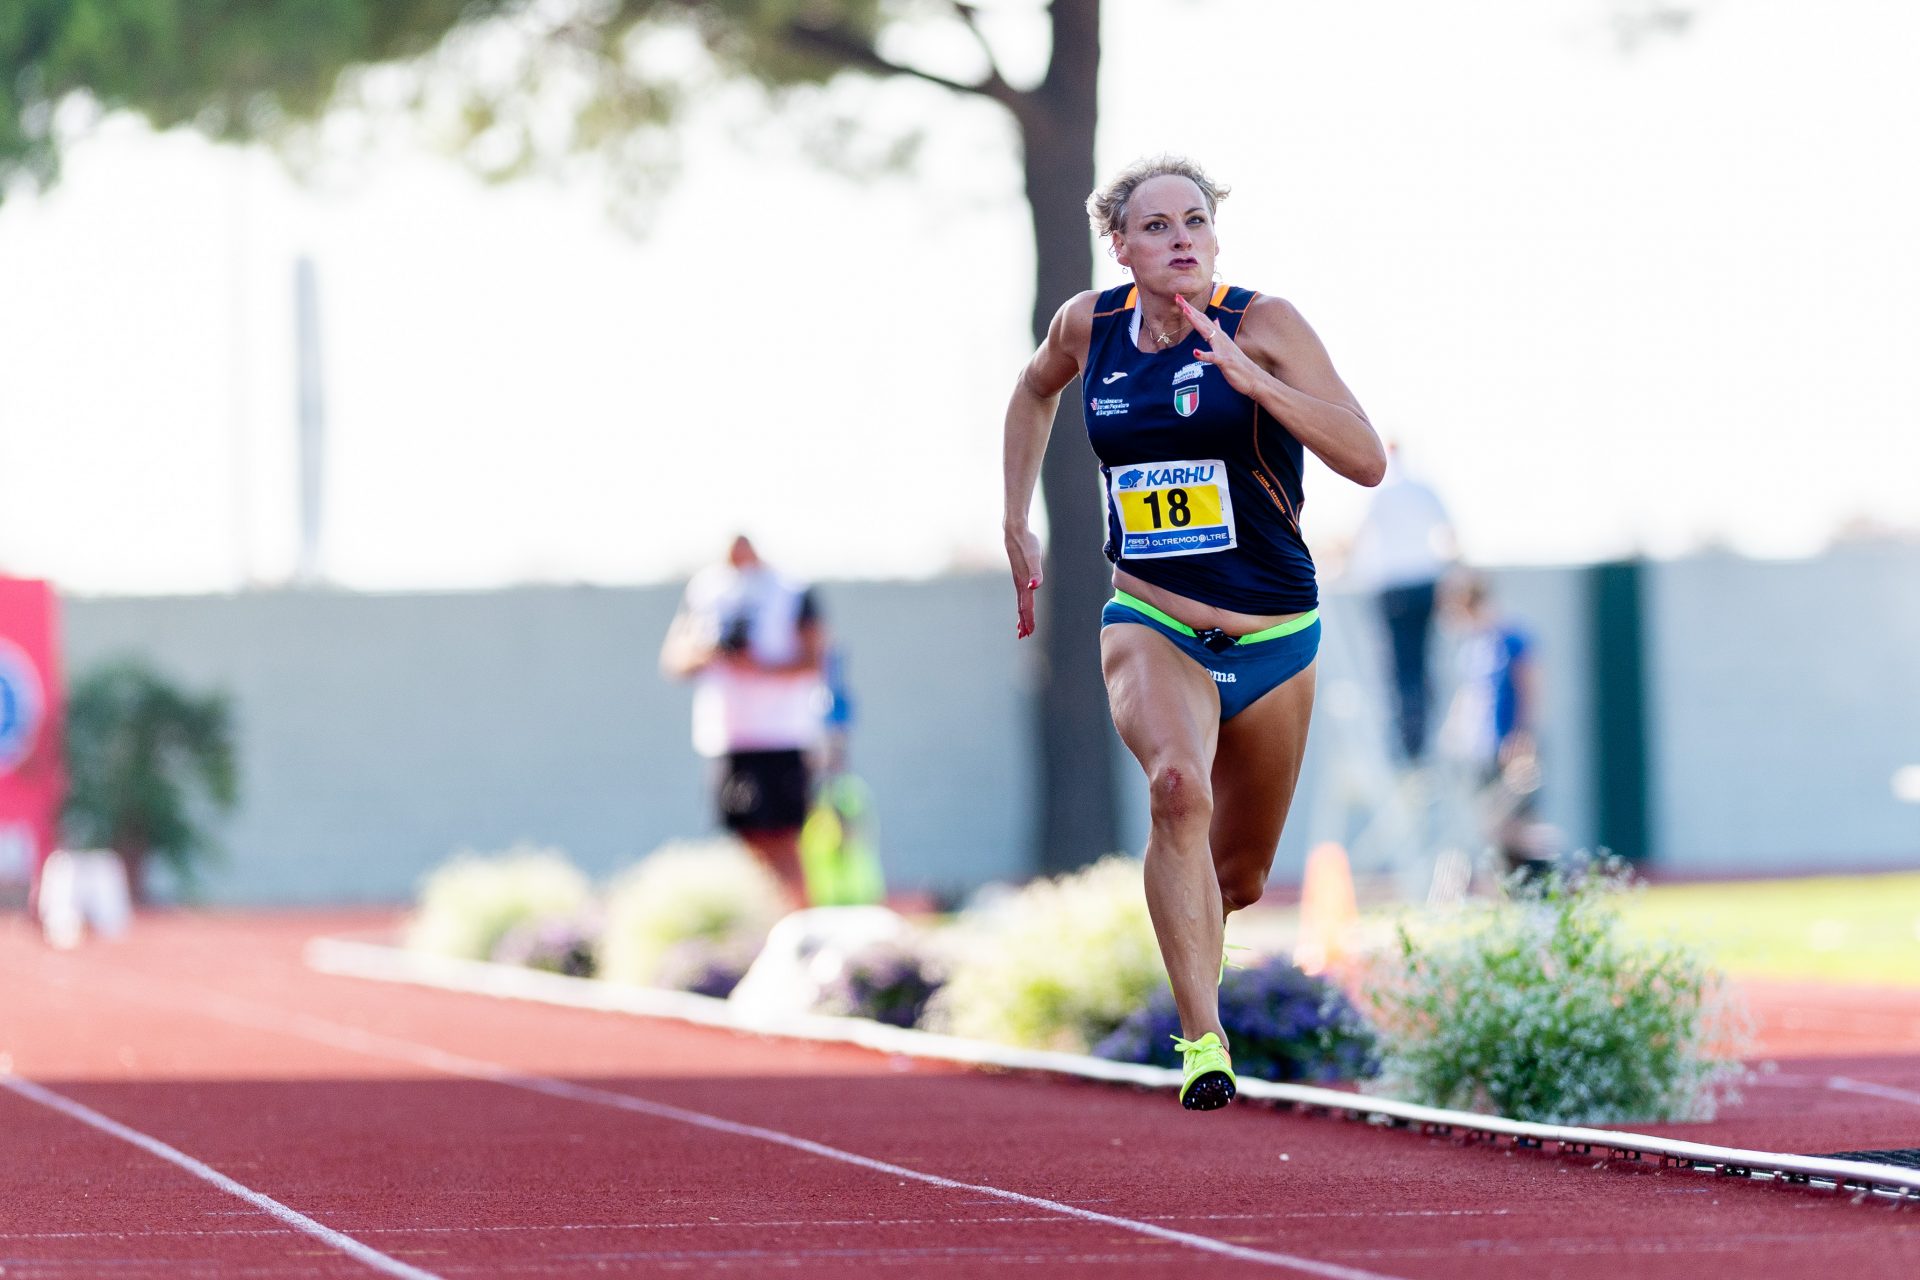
x=1131 y=478
x=1179 y=475
x=1224 y=677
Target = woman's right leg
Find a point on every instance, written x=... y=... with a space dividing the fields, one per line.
x=1168 y=713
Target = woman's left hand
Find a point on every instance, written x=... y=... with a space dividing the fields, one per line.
x=1235 y=365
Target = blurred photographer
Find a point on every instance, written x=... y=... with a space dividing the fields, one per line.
x=754 y=646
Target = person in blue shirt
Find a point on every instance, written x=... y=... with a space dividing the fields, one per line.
x=1201 y=399
x=1491 y=726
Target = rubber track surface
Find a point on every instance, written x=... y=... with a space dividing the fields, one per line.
x=207 y=1033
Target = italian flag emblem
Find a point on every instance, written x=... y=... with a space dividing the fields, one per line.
x=1186 y=400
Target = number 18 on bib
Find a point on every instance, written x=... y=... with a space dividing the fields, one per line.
x=1172 y=508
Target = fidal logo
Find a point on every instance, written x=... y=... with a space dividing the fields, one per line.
x=21 y=706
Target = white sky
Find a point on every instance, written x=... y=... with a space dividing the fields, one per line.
x=1608 y=302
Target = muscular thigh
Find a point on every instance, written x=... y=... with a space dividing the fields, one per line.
x=1254 y=773
x=1164 y=704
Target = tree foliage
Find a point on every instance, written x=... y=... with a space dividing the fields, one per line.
x=234 y=69
x=146 y=761
x=513 y=85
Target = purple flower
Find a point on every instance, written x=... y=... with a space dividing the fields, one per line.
x=1283 y=1025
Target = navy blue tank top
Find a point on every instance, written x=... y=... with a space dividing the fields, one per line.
x=1202 y=484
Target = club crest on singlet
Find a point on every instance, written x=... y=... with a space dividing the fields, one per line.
x=1173 y=508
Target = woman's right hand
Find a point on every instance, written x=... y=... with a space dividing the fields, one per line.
x=1023 y=555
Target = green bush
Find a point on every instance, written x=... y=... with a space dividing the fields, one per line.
x=1539 y=1007
x=713 y=890
x=468 y=904
x=1057 y=965
x=149 y=764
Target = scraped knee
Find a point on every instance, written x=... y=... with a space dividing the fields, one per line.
x=1179 y=793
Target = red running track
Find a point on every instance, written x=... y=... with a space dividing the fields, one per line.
x=456 y=1136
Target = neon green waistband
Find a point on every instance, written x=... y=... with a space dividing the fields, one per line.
x=1286 y=628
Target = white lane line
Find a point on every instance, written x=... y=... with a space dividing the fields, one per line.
x=246 y=1013
x=1891 y=1093
x=388 y=964
x=267 y=1204
x=1872 y=1090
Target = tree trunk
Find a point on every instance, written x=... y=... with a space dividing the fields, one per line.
x=1078 y=810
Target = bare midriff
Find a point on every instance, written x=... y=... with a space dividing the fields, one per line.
x=1200 y=617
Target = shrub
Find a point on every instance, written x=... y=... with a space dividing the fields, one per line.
x=706 y=966
x=149 y=764
x=469 y=903
x=890 y=982
x=1056 y=965
x=1540 y=1008
x=556 y=944
x=713 y=890
x=1282 y=1025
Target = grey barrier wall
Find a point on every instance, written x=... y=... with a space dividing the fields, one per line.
x=1785 y=696
x=381 y=733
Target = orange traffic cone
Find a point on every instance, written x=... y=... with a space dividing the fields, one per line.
x=1327 y=910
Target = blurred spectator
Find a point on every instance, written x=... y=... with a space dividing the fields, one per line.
x=1403 y=547
x=1490 y=728
x=753 y=644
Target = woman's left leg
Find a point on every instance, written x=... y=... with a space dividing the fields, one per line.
x=1255 y=768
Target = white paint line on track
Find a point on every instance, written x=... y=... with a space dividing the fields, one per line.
x=1839 y=1084
x=267 y=1204
x=391 y=964
x=260 y=1017
x=1887 y=1091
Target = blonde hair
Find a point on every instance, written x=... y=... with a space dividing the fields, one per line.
x=1107 y=206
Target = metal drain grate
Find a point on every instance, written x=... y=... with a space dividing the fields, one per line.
x=1908 y=1158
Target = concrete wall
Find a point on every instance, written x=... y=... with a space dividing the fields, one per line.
x=1784 y=696
x=381 y=733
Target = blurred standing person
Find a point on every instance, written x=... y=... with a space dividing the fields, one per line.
x=1202 y=399
x=754 y=645
x=1404 y=547
x=1491 y=727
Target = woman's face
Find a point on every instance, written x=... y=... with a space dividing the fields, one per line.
x=1168 y=240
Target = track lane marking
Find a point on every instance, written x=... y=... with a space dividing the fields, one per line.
x=1841 y=1084
x=1872 y=1090
x=218 y=1005
x=174 y=1156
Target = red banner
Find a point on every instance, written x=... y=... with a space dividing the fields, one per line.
x=32 y=770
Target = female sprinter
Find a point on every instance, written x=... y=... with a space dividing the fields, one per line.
x=1200 y=398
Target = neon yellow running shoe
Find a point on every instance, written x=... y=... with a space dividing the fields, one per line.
x=1209 y=1083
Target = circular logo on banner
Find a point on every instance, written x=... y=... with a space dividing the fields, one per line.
x=21 y=706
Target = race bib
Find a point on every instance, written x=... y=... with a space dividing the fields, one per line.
x=1172 y=508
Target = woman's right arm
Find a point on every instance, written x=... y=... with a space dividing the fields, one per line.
x=1036 y=395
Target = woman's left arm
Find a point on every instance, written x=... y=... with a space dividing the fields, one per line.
x=1278 y=360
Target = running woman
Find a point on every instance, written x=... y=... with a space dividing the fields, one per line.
x=1200 y=400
